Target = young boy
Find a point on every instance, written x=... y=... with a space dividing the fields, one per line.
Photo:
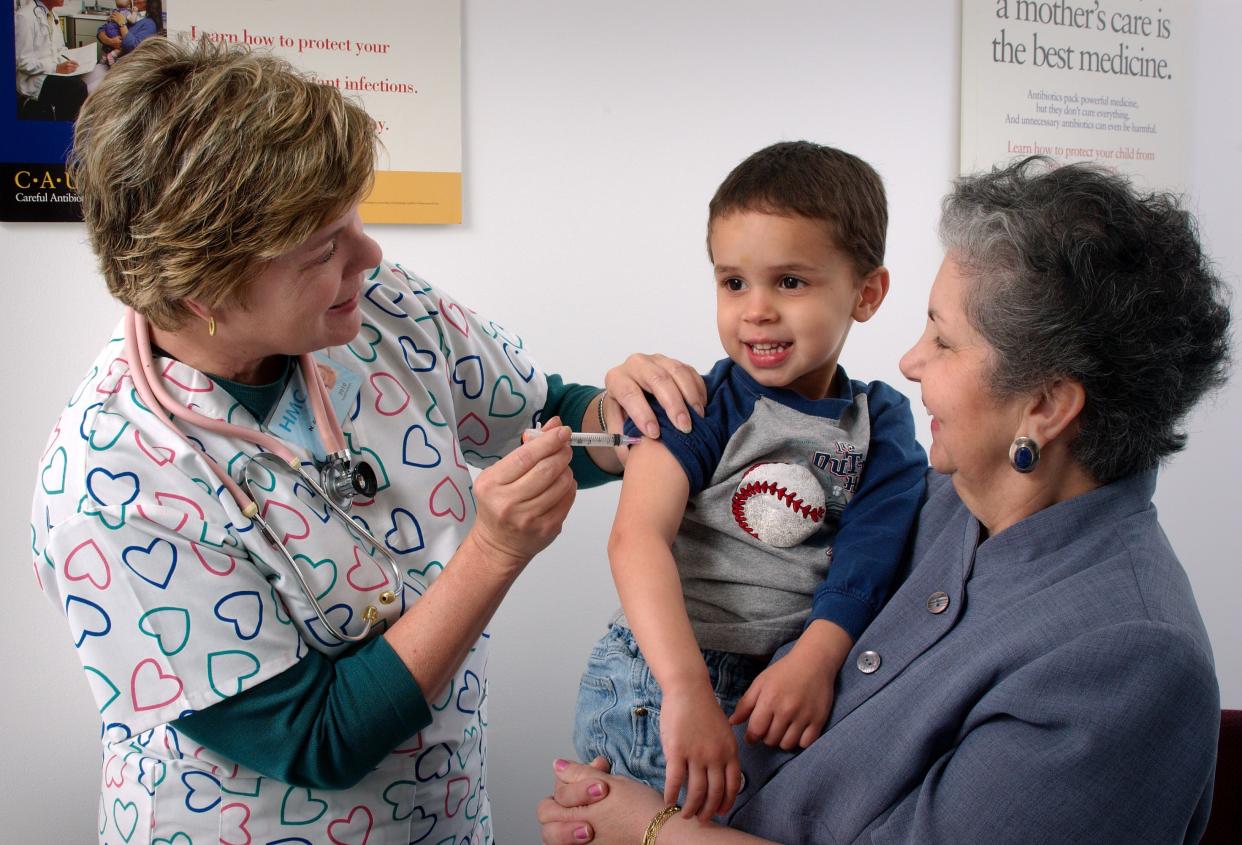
x=761 y=526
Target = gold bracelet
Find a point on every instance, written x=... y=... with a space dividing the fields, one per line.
x=653 y=829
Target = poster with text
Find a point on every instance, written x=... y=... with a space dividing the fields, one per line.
x=400 y=58
x=1078 y=80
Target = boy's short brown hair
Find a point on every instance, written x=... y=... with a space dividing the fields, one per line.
x=816 y=182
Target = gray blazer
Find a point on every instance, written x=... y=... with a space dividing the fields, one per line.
x=1065 y=694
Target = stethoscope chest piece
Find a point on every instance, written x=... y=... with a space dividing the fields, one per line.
x=342 y=480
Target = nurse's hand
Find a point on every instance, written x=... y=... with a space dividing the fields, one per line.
x=676 y=386
x=524 y=497
x=522 y=500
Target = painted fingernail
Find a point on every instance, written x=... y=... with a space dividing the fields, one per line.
x=652 y=430
x=560 y=764
x=683 y=423
x=595 y=790
x=581 y=833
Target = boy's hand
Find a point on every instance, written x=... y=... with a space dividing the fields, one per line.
x=788 y=704
x=700 y=753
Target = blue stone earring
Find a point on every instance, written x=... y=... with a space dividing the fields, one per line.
x=1024 y=454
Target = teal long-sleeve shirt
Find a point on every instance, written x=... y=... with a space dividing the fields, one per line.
x=338 y=717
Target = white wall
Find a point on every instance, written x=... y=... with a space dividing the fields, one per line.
x=595 y=134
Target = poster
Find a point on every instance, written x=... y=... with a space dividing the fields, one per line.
x=1078 y=80
x=401 y=60
x=38 y=104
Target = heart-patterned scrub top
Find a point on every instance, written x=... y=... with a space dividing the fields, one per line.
x=175 y=602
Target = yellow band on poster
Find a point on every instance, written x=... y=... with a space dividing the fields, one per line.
x=413 y=197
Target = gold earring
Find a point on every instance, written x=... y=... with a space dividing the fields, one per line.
x=211 y=326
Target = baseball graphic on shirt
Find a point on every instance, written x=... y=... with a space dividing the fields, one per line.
x=779 y=504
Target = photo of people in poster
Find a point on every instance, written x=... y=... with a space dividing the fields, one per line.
x=60 y=53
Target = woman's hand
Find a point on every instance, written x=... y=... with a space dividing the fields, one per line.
x=700 y=753
x=676 y=386
x=590 y=805
x=66 y=67
x=524 y=497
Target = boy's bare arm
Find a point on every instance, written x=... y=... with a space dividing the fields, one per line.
x=699 y=747
x=653 y=500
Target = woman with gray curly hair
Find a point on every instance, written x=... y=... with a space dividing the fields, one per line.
x=1042 y=673
x=280 y=596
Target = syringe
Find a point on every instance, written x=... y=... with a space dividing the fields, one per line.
x=590 y=439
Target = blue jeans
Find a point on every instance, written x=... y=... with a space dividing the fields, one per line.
x=618 y=713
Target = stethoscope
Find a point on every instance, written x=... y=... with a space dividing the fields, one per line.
x=339 y=480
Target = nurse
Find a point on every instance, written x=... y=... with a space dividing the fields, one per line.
x=231 y=710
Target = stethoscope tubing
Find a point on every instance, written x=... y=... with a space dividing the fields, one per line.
x=370 y=615
x=151 y=391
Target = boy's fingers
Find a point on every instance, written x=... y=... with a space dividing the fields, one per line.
x=757 y=727
x=696 y=788
x=674 y=778
x=733 y=785
x=789 y=740
x=745 y=707
x=715 y=793
x=775 y=732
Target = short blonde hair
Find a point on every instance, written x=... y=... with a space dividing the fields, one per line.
x=198 y=162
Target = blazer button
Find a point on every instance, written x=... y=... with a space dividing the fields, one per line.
x=937 y=602
x=868 y=662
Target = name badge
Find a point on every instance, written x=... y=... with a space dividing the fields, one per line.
x=293 y=418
